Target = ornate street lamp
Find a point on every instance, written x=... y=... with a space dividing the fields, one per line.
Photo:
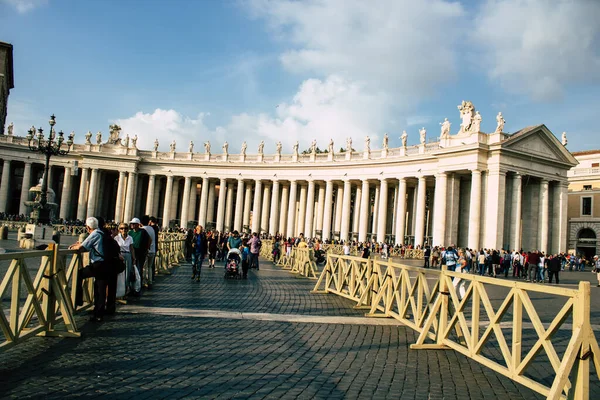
x=49 y=147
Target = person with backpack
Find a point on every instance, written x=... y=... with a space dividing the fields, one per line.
x=451 y=258
x=255 y=244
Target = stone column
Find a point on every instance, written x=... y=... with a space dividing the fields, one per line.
x=345 y=214
x=239 y=206
x=229 y=209
x=517 y=208
x=302 y=211
x=339 y=199
x=193 y=196
x=475 y=210
x=439 y=209
x=167 y=207
x=91 y=206
x=420 y=215
x=138 y=206
x=203 y=202
x=320 y=206
x=274 y=218
x=382 y=217
x=375 y=211
x=401 y=212
x=364 y=212
x=221 y=205
x=543 y=217
x=310 y=209
x=150 y=196
x=129 y=198
x=256 y=206
x=291 y=215
x=157 y=189
x=264 y=214
x=185 y=203
x=65 y=197
x=210 y=210
x=247 y=205
x=4 y=186
x=173 y=214
x=561 y=216
x=356 y=211
x=284 y=209
x=25 y=188
x=327 y=210
x=50 y=177
x=83 y=191
x=494 y=226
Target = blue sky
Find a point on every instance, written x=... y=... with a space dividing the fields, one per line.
x=288 y=70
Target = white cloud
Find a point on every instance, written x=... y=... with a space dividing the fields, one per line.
x=405 y=46
x=23 y=6
x=538 y=47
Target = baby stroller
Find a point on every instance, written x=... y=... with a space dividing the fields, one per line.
x=232 y=266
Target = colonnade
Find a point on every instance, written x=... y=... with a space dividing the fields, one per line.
x=492 y=208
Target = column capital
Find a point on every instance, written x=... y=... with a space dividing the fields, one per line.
x=384 y=179
x=477 y=172
x=518 y=175
x=121 y=173
x=544 y=181
x=441 y=174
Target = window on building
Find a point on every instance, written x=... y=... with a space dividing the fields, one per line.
x=586 y=206
x=587 y=187
x=595 y=165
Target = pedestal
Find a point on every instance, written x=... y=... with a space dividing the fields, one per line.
x=422 y=148
x=348 y=155
x=402 y=151
x=242 y=158
x=277 y=157
x=260 y=158
x=329 y=156
x=366 y=155
x=313 y=157
x=384 y=153
x=39 y=234
x=207 y=157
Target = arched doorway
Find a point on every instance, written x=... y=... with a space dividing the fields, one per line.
x=586 y=243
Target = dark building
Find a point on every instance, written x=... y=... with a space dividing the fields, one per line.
x=7 y=81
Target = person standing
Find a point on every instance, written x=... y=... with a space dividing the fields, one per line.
x=426 y=255
x=553 y=268
x=199 y=247
x=255 y=244
x=212 y=244
x=596 y=267
x=533 y=261
x=141 y=244
x=151 y=256
x=126 y=244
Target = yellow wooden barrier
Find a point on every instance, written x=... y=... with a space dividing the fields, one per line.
x=304 y=263
x=427 y=301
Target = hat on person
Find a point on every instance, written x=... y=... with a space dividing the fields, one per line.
x=595 y=256
x=135 y=221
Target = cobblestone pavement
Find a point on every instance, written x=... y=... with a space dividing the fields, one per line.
x=214 y=339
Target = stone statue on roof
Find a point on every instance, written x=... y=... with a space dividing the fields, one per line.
x=173 y=146
x=225 y=148
x=367 y=144
x=404 y=138
x=386 y=140
x=500 y=123
x=445 y=133
x=330 y=147
x=10 y=128
x=115 y=132
x=134 y=141
x=278 y=147
x=191 y=147
x=422 y=135
x=207 y=147
x=261 y=147
x=476 y=126
x=564 y=140
x=126 y=141
x=296 y=148
x=349 y=144
x=99 y=137
x=313 y=147
x=155 y=144
x=88 y=137
x=244 y=147
x=467 y=111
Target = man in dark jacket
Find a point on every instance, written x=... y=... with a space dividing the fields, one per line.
x=199 y=248
x=553 y=268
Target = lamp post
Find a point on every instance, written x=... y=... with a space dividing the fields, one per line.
x=49 y=147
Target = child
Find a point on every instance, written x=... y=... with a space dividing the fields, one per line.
x=245 y=256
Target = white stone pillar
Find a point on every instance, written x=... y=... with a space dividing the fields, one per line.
x=119 y=200
x=167 y=206
x=83 y=191
x=247 y=205
x=327 y=210
x=420 y=215
x=356 y=211
x=401 y=212
x=26 y=185
x=210 y=206
x=517 y=208
x=494 y=227
x=229 y=209
x=264 y=213
x=302 y=212
x=173 y=214
x=158 y=184
x=221 y=205
x=50 y=177
x=561 y=226
x=203 y=202
x=439 y=209
x=193 y=196
x=274 y=215
x=382 y=216
x=364 y=212
x=129 y=198
x=543 y=228
x=4 y=186
x=339 y=199
x=291 y=215
x=239 y=206
x=91 y=206
x=65 y=197
x=475 y=210
x=256 y=206
x=185 y=203
x=375 y=211
x=150 y=197
x=345 y=214
x=310 y=209
x=320 y=210
x=284 y=208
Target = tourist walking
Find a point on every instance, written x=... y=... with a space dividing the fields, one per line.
x=199 y=248
x=151 y=255
x=533 y=262
x=213 y=243
x=553 y=268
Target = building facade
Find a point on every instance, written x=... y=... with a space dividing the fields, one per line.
x=584 y=204
x=6 y=80
x=469 y=189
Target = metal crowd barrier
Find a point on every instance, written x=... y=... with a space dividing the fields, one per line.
x=463 y=318
x=43 y=304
